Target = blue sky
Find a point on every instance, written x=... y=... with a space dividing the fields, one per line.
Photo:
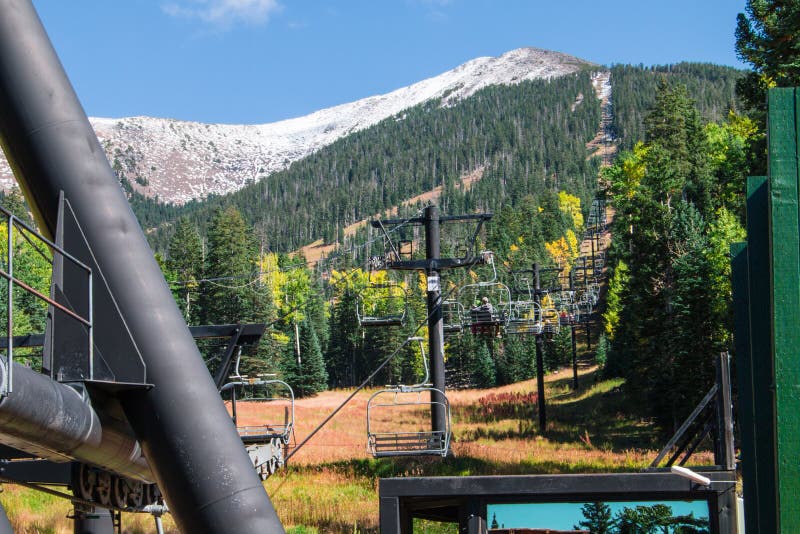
x=255 y=61
x=563 y=516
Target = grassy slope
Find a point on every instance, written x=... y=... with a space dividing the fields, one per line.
x=332 y=484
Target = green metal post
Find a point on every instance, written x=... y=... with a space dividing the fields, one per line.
x=744 y=372
x=785 y=285
x=758 y=258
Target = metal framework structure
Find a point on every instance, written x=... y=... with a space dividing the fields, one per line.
x=464 y=500
x=94 y=487
x=433 y=265
x=151 y=395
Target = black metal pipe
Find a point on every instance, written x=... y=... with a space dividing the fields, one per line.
x=435 y=320
x=572 y=333
x=54 y=421
x=190 y=443
x=541 y=403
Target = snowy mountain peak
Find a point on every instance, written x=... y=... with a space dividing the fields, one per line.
x=178 y=161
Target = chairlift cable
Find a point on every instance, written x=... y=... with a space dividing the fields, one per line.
x=294 y=266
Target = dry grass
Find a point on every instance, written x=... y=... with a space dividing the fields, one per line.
x=331 y=484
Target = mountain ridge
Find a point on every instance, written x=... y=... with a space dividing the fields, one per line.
x=177 y=161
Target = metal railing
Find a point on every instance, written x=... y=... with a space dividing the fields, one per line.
x=12 y=222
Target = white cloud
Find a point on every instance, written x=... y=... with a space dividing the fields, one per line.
x=223 y=12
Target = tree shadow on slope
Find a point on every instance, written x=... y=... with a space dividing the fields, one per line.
x=596 y=414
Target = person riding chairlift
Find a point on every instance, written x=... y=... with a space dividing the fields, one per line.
x=485 y=305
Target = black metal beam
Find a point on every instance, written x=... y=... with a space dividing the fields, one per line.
x=439 y=422
x=444 y=218
x=420 y=496
x=52 y=420
x=546 y=488
x=37 y=472
x=250 y=335
x=437 y=264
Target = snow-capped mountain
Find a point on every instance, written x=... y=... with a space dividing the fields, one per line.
x=178 y=160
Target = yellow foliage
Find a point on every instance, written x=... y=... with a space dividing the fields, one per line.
x=563 y=251
x=572 y=243
x=571 y=205
x=634 y=168
x=559 y=251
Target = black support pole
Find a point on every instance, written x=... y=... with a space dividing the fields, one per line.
x=589 y=316
x=435 y=323
x=540 y=398
x=572 y=335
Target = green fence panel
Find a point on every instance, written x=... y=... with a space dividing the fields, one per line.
x=760 y=311
x=785 y=282
x=745 y=408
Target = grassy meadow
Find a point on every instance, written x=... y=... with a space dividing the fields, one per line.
x=331 y=483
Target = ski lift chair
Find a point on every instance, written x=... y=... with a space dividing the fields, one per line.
x=567 y=315
x=585 y=306
x=271 y=403
x=452 y=316
x=489 y=303
x=593 y=290
x=384 y=304
x=551 y=323
x=525 y=318
x=396 y=402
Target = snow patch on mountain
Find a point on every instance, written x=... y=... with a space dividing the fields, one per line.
x=177 y=161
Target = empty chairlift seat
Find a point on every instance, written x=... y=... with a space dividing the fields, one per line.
x=399 y=419
x=452 y=317
x=525 y=318
x=383 y=304
x=263 y=412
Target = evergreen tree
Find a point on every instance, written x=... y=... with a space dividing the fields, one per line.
x=597 y=518
x=665 y=318
x=517 y=360
x=185 y=261
x=230 y=267
x=601 y=354
x=483 y=368
x=768 y=37
x=344 y=357
x=305 y=372
x=13 y=201
x=558 y=351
